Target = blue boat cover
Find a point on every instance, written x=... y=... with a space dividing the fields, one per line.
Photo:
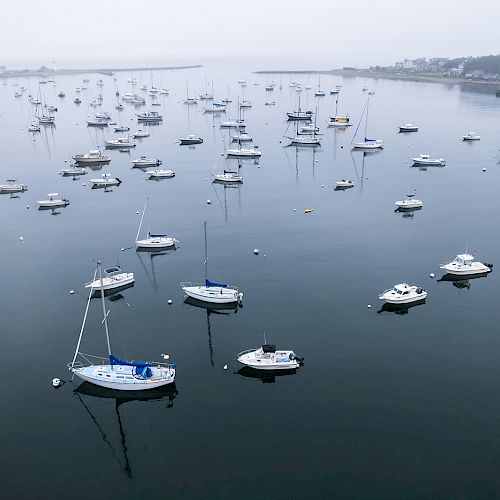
x=141 y=367
x=156 y=235
x=370 y=140
x=209 y=283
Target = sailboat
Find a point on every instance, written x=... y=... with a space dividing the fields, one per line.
x=153 y=241
x=299 y=115
x=240 y=152
x=367 y=143
x=339 y=120
x=319 y=92
x=306 y=139
x=189 y=100
x=112 y=372
x=229 y=176
x=215 y=293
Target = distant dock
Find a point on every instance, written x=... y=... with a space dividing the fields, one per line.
x=47 y=72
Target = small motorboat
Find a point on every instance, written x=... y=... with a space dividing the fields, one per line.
x=74 y=171
x=233 y=124
x=52 y=202
x=104 y=115
x=158 y=173
x=464 y=264
x=228 y=176
x=471 y=136
x=305 y=140
x=245 y=104
x=339 y=120
x=267 y=357
x=403 y=294
x=190 y=100
x=34 y=127
x=411 y=203
x=149 y=116
x=243 y=153
x=143 y=161
x=308 y=130
x=113 y=278
x=427 y=160
x=369 y=144
x=141 y=133
x=105 y=181
x=270 y=103
x=190 y=140
x=121 y=143
x=300 y=116
x=320 y=93
x=98 y=122
x=77 y=100
x=344 y=183
x=408 y=127
x=61 y=94
x=12 y=187
x=94 y=157
x=122 y=129
x=269 y=88
x=336 y=90
x=242 y=137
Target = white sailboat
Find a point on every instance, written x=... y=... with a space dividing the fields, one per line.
x=216 y=293
x=153 y=241
x=112 y=372
x=367 y=143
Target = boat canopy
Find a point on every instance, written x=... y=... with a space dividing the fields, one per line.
x=209 y=283
x=112 y=270
x=156 y=235
x=269 y=348
x=141 y=367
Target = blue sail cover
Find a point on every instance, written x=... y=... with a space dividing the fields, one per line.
x=209 y=284
x=141 y=367
x=156 y=235
x=370 y=140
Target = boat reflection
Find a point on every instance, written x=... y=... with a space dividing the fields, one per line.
x=113 y=292
x=265 y=376
x=166 y=393
x=461 y=281
x=399 y=308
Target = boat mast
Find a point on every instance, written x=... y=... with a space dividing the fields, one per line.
x=142 y=218
x=206 y=250
x=105 y=315
x=366 y=121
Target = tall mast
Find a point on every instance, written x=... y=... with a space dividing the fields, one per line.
x=105 y=315
x=366 y=122
x=142 y=218
x=206 y=250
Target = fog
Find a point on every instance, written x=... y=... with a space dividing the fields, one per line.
x=272 y=34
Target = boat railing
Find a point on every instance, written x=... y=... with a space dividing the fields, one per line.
x=246 y=351
x=185 y=284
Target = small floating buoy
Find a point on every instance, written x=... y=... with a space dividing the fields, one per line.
x=322 y=185
x=294 y=209
x=165 y=356
x=341 y=147
x=256 y=251
x=57 y=382
x=484 y=170
x=316 y=161
x=123 y=249
x=27 y=206
x=222 y=154
x=308 y=210
x=225 y=367
x=209 y=202
x=169 y=301
x=71 y=292
x=84 y=184
x=21 y=238
x=137 y=213
x=432 y=275
x=369 y=306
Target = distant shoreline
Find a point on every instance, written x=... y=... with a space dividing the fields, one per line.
x=102 y=71
x=391 y=76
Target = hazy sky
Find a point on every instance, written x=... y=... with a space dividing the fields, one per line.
x=312 y=34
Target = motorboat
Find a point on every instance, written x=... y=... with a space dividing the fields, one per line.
x=164 y=91
x=471 y=136
x=339 y=120
x=408 y=127
x=410 y=203
x=464 y=264
x=320 y=93
x=206 y=96
x=267 y=357
x=12 y=187
x=74 y=171
x=140 y=134
x=98 y=122
x=427 y=160
x=153 y=241
x=334 y=91
x=403 y=294
x=215 y=108
x=190 y=140
x=94 y=157
x=309 y=129
x=121 y=143
x=300 y=115
x=77 y=100
x=216 y=293
x=113 y=278
x=368 y=144
x=344 y=183
x=190 y=100
x=159 y=173
x=149 y=116
x=105 y=181
x=104 y=115
x=228 y=176
x=144 y=161
x=53 y=202
x=112 y=372
x=245 y=104
x=122 y=129
x=34 y=127
x=269 y=88
x=243 y=153
x=270 y=103
x=46 y=119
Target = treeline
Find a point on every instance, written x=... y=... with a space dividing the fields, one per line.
x=488 y=64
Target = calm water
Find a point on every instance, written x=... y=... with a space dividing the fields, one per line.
x=386 y=406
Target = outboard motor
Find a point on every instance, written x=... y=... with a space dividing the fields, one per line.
x=420 y=290
x=487 y=264
x=296 y=357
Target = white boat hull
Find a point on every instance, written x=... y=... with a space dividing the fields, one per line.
x=163 y=242
x=213 y=294
x=279 y=360
x=475 y=268
x=110 y=282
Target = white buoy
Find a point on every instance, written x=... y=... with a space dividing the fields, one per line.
x=369 y=306
x=137 y=213
x=21 y=238
x=225 y=367
x=84 y=184
x=484 y=170
x=322 y=185
x=71 y=292
x=123 y=249
x=432 y=275
x=209 y=202
x=27 y=206
x=294 y=209
x=256 y=251
x=169 y=301
x=56 y=382
x=165 y=356
x=222 y=154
